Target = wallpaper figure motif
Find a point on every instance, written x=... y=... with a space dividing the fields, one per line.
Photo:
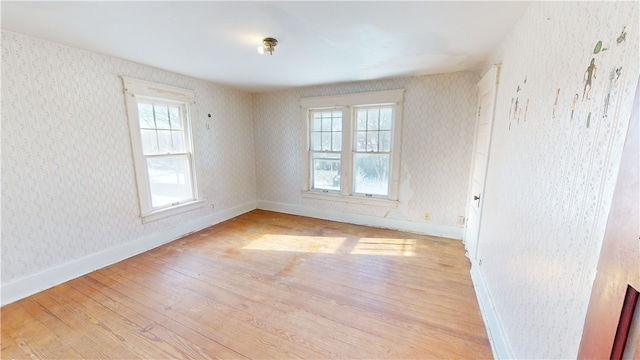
x=623 y=36
x=511 y=109
x=599 y=47
x=589 y=75
x=614 y=75
x=613 y=80
x=555 y=104
x=516 y=106
x=573 y=104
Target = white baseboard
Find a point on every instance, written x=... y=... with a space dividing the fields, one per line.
x=495 y=332
x=451 y=232
x=29 y=285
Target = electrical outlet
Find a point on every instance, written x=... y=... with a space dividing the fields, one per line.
x=213 y=207
x=460 y=220
x=426 y=216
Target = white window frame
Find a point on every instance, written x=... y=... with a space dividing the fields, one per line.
x=140 y=90
x=347 y=103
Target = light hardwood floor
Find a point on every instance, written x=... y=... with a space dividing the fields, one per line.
x=263 y=285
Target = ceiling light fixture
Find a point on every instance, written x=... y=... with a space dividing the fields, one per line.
x=269 y=44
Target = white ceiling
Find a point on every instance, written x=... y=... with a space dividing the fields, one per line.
x=319 y=42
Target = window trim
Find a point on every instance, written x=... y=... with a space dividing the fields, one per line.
x=347 y=103
x=134 y=89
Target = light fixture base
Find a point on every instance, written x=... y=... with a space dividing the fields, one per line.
x=269 y=44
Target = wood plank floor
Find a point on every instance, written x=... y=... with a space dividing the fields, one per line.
x=263 y=285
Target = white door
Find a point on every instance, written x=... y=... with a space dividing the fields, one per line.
x=488 y=87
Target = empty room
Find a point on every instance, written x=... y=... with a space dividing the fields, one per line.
x=320 y=180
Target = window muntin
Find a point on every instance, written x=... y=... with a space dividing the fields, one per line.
x=161 y=127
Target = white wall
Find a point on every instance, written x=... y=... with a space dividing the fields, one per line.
x=437 y=137
x=69 y=200
x=551 y=179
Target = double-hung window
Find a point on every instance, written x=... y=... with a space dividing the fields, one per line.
x=162 y=144
x=372 y=149
x=325 y=148
x=353 y=147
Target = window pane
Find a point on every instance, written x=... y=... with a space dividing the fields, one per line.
x=385 y=141
x=372 y=141
x=149 y=141
x=336 y=141
x=177 y=139
x=164 y=141
x=372 y=174
x=175 y=118
x=361 y=123
x=326 y=123
x=385 y=118
x=145 y=114
x=162 y=117
x=361 y=141
x=170 y=179
x=316 y=141
x=325 y=171
x=372 y=119
x=326 y=141
x=337 y=122
x=316 y=122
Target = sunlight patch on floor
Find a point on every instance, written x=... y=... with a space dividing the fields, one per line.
x=332 y=245
x=310 y=244
x=387 y=247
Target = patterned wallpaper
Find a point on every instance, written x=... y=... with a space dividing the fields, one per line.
x=68 y=185
x=437 y=137
x=551 y=176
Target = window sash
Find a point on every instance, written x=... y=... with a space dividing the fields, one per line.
x=166 y=193
x=325 y=171
x=372 y=174
x=167 y=136
x=325 y=130
x=373 y=129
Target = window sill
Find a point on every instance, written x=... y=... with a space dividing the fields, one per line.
x=391 y=204
x=161 y=214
